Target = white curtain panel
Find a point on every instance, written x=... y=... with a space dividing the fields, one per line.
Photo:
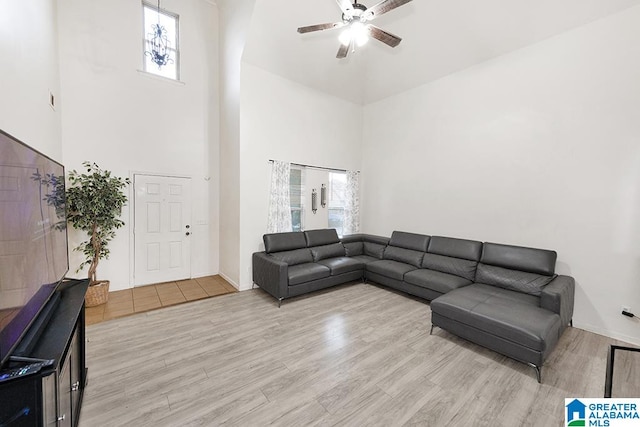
x=352 y=205
x=279 y=202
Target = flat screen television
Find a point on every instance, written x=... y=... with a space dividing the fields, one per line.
x=33 y=237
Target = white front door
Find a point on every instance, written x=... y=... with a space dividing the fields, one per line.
x=162 y=210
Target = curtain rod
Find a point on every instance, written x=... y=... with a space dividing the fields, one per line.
x=316 y=167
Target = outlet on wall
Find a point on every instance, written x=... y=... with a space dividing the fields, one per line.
x=52 y=100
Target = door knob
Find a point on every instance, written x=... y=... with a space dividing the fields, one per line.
x=187 y=233
x=188 y=226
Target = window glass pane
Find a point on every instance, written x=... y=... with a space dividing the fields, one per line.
x=296 y=198
x=337 y=199
x=337 y=189
x=295 y=187
x=336 y=219
x=296 y=219
x=169 y=25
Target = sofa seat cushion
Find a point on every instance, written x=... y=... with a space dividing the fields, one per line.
x=388 y=268
x=365 y=259
x=435 y=280
x=307 y=272
x=341 y=265
x=511 y=315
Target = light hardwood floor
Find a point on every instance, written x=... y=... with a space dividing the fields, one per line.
x=357 y=354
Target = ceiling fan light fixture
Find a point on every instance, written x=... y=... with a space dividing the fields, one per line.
x=345 y=37
x=362 y=40
x=357 y=32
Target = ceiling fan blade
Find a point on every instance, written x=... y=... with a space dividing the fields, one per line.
x=384 y=36
x=320 y=27
x=383 y=7
x=343 y=51
x=345 y=6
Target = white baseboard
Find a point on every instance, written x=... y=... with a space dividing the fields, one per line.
x=228 y=279
x=606 y=333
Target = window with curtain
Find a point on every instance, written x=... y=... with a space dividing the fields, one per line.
x=337 y=203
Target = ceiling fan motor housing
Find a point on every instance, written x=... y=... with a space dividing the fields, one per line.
x=356 y=13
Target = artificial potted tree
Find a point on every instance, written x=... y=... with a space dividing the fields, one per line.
x=94 y=205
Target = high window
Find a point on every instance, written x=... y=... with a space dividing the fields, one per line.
x=161 y=55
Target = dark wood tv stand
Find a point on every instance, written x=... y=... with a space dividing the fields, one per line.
x=53 y=396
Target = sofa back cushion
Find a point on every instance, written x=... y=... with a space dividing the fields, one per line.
x=353 y=248
x=416 y=242
x=350 y=238
x=364 y=244
x=375 y=250
x=327 y=251
x=406 y=256
x=514 y=280
x=457 y=248
x=277 y=242
x=294 y=257
x=446 y=264
x=539 y=261
x=325 y=236
x=384 y=241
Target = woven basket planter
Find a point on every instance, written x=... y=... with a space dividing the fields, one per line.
x=97 y=294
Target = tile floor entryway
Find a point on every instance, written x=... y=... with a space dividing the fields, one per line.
x=151 y=297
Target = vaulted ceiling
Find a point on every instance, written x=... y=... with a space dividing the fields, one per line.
x=440 y=37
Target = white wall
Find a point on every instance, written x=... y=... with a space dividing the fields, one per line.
x=29 y=72
x=235 y=18
x=283 y=120
x=540 y=148
x=128 y=121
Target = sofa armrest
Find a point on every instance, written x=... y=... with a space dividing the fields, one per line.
x=270 y=274
x=558 y=297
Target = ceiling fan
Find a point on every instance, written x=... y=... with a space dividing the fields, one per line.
x=355 y=17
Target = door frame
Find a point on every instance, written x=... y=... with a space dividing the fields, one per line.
x=132 y=218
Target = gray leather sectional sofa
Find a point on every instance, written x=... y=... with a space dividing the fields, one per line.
x=506 y=298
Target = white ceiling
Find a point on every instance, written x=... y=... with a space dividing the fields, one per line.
x=440 y=37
